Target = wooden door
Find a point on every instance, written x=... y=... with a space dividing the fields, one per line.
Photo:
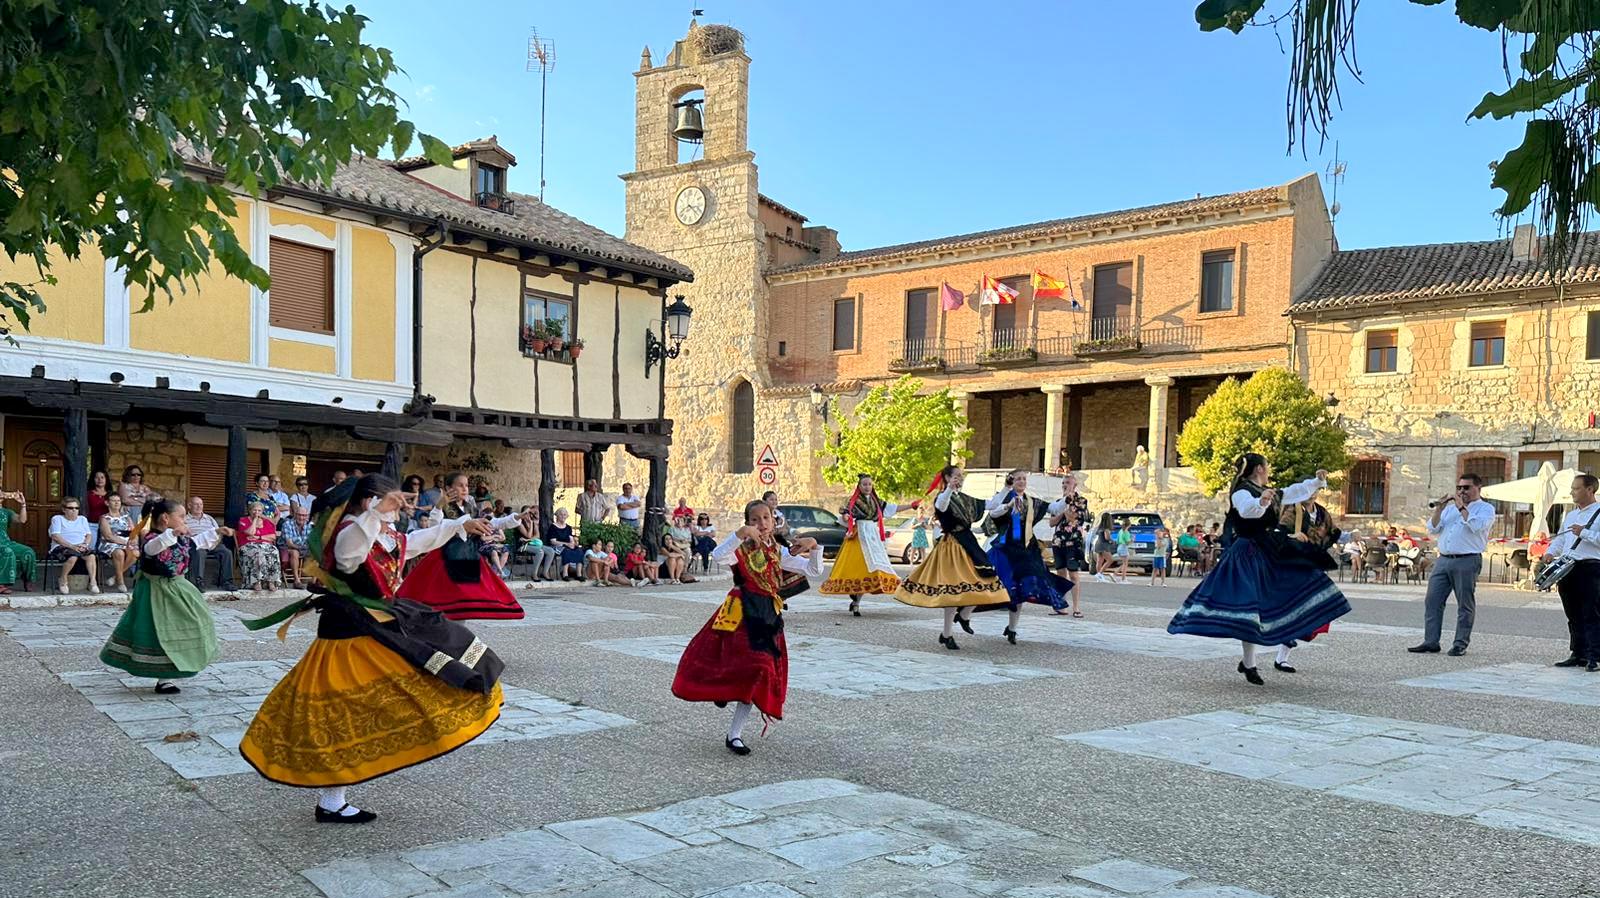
x=34 y=457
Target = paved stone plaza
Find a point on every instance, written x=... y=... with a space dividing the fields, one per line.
x=1096 y=757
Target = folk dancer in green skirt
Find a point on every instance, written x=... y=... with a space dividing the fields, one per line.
x=17 y=561
x=167 y=632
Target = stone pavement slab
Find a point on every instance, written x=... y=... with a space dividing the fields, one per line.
x=650 y=854
x=560 y=613
x=197 y=731
x=1540 y=682
x=1499 y=781
x=804 y=603
x=89 y=627
x=1085 y=634
x=846 y=669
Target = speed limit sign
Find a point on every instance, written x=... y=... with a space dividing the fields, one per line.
x=768 y=475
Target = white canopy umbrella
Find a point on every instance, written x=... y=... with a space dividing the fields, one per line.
x=1540 y=526
x=1528 y=490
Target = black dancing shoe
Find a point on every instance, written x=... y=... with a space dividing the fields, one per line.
x=720 y=704
x=1280 y=667
x=855 y=605
x=164 y=688
x=1573 y=661
x=339 y=816
x=737 y=746
x=1593 y=666
x=1251 y=674
x=966 y=623
x=1011 y=635
x=1426 y=647
x=949 y=642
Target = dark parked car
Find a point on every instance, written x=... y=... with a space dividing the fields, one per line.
x=820 y=524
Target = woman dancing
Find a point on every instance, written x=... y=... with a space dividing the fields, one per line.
x=1015 y=551
x=863 y=566
x=956 y=575
x=166 y=633
x=740 y=656
x=458 y=580
x=388 y=683
x=1266 y=589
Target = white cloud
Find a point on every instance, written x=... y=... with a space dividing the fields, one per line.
x=426 y=93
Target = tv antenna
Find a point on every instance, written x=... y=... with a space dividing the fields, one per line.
x=541 y=59
x=1335 y=173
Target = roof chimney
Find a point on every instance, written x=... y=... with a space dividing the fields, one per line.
x=1524 y=244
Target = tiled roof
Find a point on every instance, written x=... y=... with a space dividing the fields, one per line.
x=769 y=201
x=1360 y=277
x=1198 y=206
x=535 y=225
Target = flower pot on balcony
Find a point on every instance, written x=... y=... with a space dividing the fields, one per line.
x=576 y=349
x=1007 y=358
x=537 y=344
x=556 y=343
x=1108 y=346
x=928 y=363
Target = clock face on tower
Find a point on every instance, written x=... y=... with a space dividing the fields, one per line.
x=691 y=205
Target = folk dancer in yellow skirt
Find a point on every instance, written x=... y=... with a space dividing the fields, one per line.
x=863 y=567
x=957 y=576
x=388 y=683
x=166 y=633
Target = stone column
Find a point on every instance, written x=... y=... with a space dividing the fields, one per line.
x=1055 y=400
x=959 y=399
x=1160 y=388
x=594 y=464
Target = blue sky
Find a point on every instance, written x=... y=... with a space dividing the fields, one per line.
x=896 y=121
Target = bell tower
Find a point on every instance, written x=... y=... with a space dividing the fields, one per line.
x=696 y=202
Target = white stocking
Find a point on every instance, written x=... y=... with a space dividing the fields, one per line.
x=1249 y=654
x=332 y=799
x=1283 y=654
x=949 y=622
x=741 y=712
x=1014 y=617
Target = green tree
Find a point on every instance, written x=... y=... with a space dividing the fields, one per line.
x=1273 y=413
x=897 y=434
x=1552 y=63
x=102 y=102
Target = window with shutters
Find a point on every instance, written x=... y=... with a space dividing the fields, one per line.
x=1112 y=302
x=742 y=440
x=1010 y=321
x=301 y=296
x=1488 y=344
x=571 y=469
x=1383 y=351
x=844 y=325
x=922 y=325
x=1367 y=490
x=1216 y=281
x=208 y=477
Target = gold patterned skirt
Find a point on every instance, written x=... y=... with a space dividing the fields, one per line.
x=352 y=710
x=853 y=576
x=948 y=579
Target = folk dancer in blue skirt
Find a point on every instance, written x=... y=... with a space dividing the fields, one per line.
x=1267 y=589
x=1015 y=553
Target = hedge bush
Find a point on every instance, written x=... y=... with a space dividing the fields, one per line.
x=620 y=534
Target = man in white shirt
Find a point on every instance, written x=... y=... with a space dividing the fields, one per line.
x=1580 y=588
x=628 y=506
x=1461 y=522
x=201 y=525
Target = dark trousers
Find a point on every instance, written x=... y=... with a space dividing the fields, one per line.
x=1580 y=599
x=221 y=558
x=1457 y=575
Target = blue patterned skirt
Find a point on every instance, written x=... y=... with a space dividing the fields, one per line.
x=1254 y=596
x=1025 y=577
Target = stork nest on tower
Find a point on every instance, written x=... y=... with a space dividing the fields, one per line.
x=705 y=41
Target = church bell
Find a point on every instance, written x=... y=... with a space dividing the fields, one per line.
x=687 y=125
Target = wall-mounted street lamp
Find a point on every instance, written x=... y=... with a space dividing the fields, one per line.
x=674 y=328
x=819 y=402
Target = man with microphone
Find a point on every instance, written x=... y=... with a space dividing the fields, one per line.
x=1461 y=523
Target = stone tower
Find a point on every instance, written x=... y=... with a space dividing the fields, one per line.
x=698 y=205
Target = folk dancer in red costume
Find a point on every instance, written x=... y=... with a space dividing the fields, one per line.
x=456 y=580
x=740 y=656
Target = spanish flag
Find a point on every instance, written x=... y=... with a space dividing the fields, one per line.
x=1047 y=287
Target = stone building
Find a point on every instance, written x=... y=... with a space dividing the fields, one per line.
x=1454 y=357
x=1165 y=302
x=392 y=338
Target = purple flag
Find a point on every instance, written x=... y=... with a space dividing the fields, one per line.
x=950 y=298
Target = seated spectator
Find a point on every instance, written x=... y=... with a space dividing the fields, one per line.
x=546 y=559
x=493 y=546
x=292 y=546
x=301 y=497
x=199 y=524
x=133 y=491
x=675 y=545
x=614 y=571
x=638 y=568
x=116 y=546
x=280 y=499
x=262 y=495
x=72 y=541
x=428 y=499
x=683 y=510
x=95 y=503
x=336 y=478
x=597 y=564
x=17 y=561
x=705 y=540
x=481 y=494
x=560 y=536
x=258 y=549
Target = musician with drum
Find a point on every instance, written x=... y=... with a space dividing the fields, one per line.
x=1575 y=571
